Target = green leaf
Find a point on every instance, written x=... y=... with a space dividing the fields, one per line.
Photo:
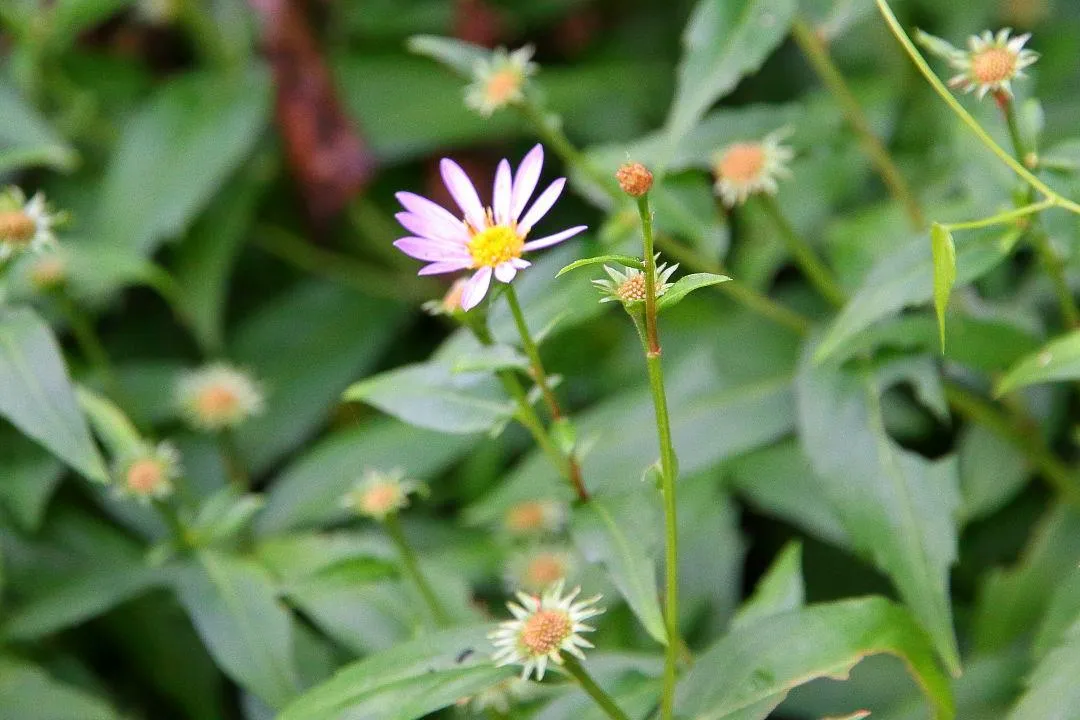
x=26 y=139
x=431 y=396
x=897 y=507
x=992 y=472
x=27 y=692
x=1053 y=691
x=491 y=358
x=110 y=423
x=31 y=476
x=627 y=260
x=458 y=55
x=176 y=153
x=724 y=41
x=1058 y=360
x=778 y=653
x=351 y=332
x=944 y=255
x=36 y=394
x=780 y=590
x=223 y=515
x=617 y=532
x=906 y=278
x=406 y=682
x=71 y=17
x=686 y=285
x=942 y=48
x=233 y=604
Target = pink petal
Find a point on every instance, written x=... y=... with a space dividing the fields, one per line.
x=553 y=239
x=505 y=272
x=422 y=207
x=475 y=288
x=429 y=228
x=449 y=266
x=500 y=197
x=461 y=188
x=431 y=250
x=542 y=205
x=528 y=174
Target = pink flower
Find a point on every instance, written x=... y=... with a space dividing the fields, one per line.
x=489 y=240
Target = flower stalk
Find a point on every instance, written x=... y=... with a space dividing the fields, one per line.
x=668 y=464
x=412 y=568
x=819 y=275
x=601 y=698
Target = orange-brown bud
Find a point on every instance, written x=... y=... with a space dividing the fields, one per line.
x=634 y=179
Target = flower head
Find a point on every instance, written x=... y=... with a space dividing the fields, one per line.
x=25 y=225
x=379 y=494
x=535 y=517
x=218 y=396
x=540 y=568
x=745 y=168
x=488 y=240
x=628 y=286
x=499 y=80
x=634 y=179
x=149 y=471
x=450 y=302
x=990 y=63
x=543 y=627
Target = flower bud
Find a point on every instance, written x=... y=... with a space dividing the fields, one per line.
x=634 y=179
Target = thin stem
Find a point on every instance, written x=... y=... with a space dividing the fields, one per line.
x=412 y=569
x=1056 y=473
x=819 y=275
x=602 y=699
x=234 y=462
x=528 y=417
x=536 y=365
x=954 y=104
x=172 y=522
x=668 y=465
x=817 y=54
x=90 y=345
x=1000 y=218
x=737 y=291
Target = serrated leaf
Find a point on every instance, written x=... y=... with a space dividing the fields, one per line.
x=724 y=41
x=627 y=260
x=771 y=657
x=36 y=393
x=614 y=531
x=1057 y=360
x=458 y=55
x=944 y=255
x=686 y=285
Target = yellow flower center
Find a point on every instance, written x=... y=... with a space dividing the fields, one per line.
x=993 y=65
x=503 y=86
x=525 y=517
x=742 y=163
x=17 y=227
x=217 y=402
x=632 y=288
x=144 y=476
x=545 y=631
x=495 y=245
x=545 y=569
x=380 y=499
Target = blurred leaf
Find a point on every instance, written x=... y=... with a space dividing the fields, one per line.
x=944 y=256
x=222 y=516
x=1059 y=359
x=686 y=285
x=26 y=139
x=992 y=472
x=234 y=606
x=1052 y=690
x=309 y=491
x=36 y=394
x=600 y=530
x=69 y=18
x=406 y=682
x=780 y=590
x=458 y=55
x=431 y=396
x=351 y=332
x=724 y=41
x=27 y=692
x=780 y=652
x=685 y=207
x=897 y=507
x=905 y=278
x=109 y=422
x=176 y=153
x=627 y=260
x=31 y=475
x=491 y=359
x=1062 y=614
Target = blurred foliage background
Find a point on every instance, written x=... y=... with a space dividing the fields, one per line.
x=229 y=169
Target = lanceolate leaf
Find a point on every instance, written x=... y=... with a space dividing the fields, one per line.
x=780 y=590
x=897 y=507
x=724 y=41
x=770 y=657
x=1057 y=360
x=627 y=260
x=27 y=692
x=458 y=55
x=686 y=285
x=944 y=254
x=36 y=394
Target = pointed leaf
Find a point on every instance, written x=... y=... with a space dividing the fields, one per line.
x=1059 y=359
x=944 y=254
x=780 y=590
x=627 y=260
x=1053 y=691
x=27 y=692
x=458 y=55
x=686 y=285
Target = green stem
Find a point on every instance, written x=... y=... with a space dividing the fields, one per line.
x=602 y=699
x=954 y=104
x=737 y=291
x=668 y=465
x=819 y=275
x=1027 y=439
x=1001 y=218
x=90 y=345
x=234 y=463
x=817 y=53
x=172 y=521
x=529 y=419
x=412 y=569
x=532 y=351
